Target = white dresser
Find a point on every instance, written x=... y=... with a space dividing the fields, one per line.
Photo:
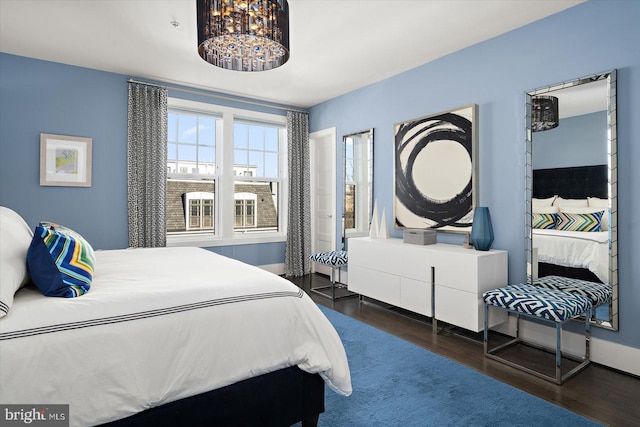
x=402 y=275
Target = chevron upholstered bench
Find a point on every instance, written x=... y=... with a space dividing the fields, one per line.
x=549 y=306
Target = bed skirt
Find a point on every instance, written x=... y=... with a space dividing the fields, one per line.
x=279 y=398
x=547 y=269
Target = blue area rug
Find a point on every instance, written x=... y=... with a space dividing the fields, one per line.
x=396 y=383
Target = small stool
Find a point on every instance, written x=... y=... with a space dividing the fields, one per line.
x=335 y=260
x=546 y=305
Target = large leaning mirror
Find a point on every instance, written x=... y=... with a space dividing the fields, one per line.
x=571 y=188
x=358 y=184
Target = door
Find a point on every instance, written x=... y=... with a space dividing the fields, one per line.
x=322 y=146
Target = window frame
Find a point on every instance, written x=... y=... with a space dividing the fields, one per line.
x=224 y=178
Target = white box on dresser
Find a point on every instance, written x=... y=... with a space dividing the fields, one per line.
x=402 y=275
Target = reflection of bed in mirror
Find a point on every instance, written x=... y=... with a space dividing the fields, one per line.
x=566 y=193
x=575 y=254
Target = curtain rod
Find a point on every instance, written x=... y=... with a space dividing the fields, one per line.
x=211 y=95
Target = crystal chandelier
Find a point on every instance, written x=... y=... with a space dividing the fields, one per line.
x=244 y=35
x=544 y=113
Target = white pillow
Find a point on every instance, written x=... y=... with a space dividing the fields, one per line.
x=545 y=209
x=15 y=238
x=596 y=202
x=604 y=222
x=563 y=203
x=537 y=203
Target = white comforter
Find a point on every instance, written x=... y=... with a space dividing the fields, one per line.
x=579 y=249
x=159 y=325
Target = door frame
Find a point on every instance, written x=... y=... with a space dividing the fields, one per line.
x=318 y=137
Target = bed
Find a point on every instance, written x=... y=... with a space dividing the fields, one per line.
x=573 y=254
x=167 y=336
x=574 y=192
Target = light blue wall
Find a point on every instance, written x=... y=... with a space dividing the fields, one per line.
x=577 y=141
x=45 y=97
x=589 y=38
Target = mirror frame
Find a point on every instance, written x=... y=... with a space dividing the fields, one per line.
x=344 y=180
x=612 y=155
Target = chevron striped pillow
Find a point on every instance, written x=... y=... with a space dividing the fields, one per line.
x=543 y=220
x=60 y=261
x=579 y=222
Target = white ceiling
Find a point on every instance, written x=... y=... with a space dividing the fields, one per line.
x=582 y=99
x=336 y=45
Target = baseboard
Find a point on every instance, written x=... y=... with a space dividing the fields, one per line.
x=274 y=268
x=603 y=352
x=617 y=356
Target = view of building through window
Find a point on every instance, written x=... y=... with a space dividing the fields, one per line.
x=194 y=140
x=349 y=186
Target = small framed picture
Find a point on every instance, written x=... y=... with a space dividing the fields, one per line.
x=65 y=160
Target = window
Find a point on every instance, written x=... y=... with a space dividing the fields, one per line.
x=191 y=142
x=245 y=215
x=256 y=169
x=236 y=199
x=255 y=149
x=357 y=182
x=191 y=166
x=349 y=185
x=349 y=206
x=199 y=212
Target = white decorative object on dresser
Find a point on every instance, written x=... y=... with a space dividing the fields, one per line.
x=447 y=279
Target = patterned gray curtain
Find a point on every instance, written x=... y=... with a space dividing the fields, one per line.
x=147 y=165
x=299 y=229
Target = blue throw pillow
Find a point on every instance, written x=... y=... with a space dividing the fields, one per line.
x=60 y=261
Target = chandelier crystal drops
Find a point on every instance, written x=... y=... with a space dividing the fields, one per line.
x=244 y=35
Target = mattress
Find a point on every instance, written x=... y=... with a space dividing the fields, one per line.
x=158 y=325
x=577 y=249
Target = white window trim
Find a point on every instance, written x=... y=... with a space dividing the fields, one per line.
x=224 y=221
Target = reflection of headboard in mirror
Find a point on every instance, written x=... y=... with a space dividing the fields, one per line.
x=577 y=182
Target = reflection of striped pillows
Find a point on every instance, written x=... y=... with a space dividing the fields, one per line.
x=579 y=222
x=543 y=220
x=60 y=261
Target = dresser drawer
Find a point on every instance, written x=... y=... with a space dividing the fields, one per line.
x=471 y=273
x=415 y=295
x=374 y=284
x=458 y=308
x=464 y=309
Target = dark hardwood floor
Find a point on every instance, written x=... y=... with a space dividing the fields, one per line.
x=602 y=394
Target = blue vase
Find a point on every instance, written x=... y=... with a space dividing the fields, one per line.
x=481 y=230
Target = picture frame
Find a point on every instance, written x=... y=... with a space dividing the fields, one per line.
x=65 y=160
x=436 y=171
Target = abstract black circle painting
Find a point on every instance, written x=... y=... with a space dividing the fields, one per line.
x=436 y=171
